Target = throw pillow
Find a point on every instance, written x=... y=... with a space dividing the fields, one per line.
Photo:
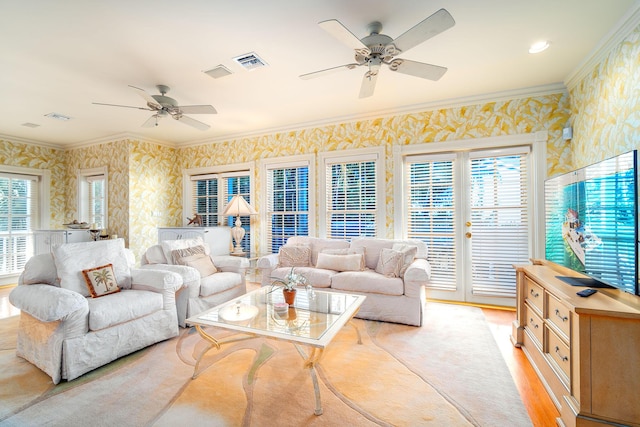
x=200 y=261
x=409 y=252
x=347 y=262
x=294 y=256
x=177 y=254
x=170 y=245
x=101 y=280
x=390 y=262
x=155 y=255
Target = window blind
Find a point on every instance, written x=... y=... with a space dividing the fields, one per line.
x=352 y=207
x=287 y=204
x=97 y=195
x=233 y=184
x=204 y=202
x=499 y=217
x=19 y=208
x=431 y=214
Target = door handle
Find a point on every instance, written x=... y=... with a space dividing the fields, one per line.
x=468 y=234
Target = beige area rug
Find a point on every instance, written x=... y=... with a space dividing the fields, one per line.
x=448 y=373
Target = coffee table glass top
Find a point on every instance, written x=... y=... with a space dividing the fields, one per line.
x=314 y=319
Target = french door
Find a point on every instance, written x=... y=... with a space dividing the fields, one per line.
x=473 y=210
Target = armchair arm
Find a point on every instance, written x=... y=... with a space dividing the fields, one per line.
x=230 y=263
x=266 y=265
x=165 y=282
x=416 y=276
x=47 y=303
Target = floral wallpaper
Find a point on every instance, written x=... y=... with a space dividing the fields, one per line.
x=605 y=106
x=38 y=157
x=528 y=115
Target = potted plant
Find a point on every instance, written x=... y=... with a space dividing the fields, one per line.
x=289 y=284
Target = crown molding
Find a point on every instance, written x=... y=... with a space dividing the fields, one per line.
x=10 y=138
x=625 y=26
x=118 y=137
x=411 y=109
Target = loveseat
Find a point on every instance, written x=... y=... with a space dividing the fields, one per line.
x=83 y=306
x=391 y=273
x=208 y=279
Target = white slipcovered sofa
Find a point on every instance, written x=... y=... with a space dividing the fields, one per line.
x=391 y=273
x=68 y=328
x=204 y=287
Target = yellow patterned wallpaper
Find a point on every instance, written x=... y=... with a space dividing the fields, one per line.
x=528 y=115
x=115 y=156
x=605 y=106
x=38 y=157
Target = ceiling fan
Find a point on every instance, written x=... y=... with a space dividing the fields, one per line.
x=164 y=106
x=377 y=49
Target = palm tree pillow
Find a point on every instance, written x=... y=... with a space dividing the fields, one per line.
x=101 y=280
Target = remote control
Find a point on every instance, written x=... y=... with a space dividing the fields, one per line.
x=587 y=292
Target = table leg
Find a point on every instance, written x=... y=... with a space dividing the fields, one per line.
x=357 y=331
x=310 y=361
x=212 y=343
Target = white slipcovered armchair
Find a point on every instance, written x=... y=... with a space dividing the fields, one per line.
x=68 y=328
x=209 y=280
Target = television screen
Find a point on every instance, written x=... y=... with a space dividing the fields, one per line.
x=592 y=222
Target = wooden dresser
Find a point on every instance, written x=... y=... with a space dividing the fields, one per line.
x=586 y=351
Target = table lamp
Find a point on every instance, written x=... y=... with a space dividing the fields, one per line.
x=238 y=207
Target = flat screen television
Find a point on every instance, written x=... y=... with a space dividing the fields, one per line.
x=592 y=223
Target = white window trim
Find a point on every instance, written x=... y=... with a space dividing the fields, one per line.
x=356 y=155
x=538 y=143
x=83 y=193
x=44 y=176
x=308 y=160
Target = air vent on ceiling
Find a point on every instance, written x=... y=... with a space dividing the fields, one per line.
x=219 y=71
x=58 y=116
x=250 y=61
x=30 y=125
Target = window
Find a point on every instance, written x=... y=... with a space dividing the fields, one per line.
x=289 y=200
x=20 y=212
x=353 y=193
x=208 y=190
x=93 y=196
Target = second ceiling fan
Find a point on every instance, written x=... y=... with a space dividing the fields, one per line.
x=377 y=49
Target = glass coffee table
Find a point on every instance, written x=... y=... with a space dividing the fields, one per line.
x=312 y=322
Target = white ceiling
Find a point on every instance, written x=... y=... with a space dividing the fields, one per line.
x=60 y=56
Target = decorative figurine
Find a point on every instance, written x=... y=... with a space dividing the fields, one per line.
x=196 y=220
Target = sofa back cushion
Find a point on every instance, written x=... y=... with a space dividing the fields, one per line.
x=373 y=246
x=71 y=258
x=40 y=269
x=317 y=245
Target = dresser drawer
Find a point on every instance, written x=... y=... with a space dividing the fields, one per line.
x=533 y=323
x=535 y=294
x=559 y=315
x=559 y=353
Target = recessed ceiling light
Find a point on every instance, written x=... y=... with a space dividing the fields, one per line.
x=539 y=46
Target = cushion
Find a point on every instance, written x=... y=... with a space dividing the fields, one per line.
x=294 y=256
x=122 y=307
x=200 y=262
x=367 y=281
x=347 y=262
x=171 y=245
x=155 y=255
x=390 y=262
x=220 y=282
x=409 y=252
x=177 y=254
x=72 y=258
x=40 y=269
x=101 y=280
x=317 y=277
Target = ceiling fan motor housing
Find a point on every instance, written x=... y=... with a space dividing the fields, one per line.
x=378 y=47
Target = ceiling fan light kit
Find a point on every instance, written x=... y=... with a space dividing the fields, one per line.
x=377 y=49
x=163 y=106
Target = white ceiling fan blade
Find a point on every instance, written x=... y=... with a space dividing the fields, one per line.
x=125 y=106
x=150 y=101
x=432 y=26
x=340 y=32
x=197 y=109
x=192 y=122
x=417 y=69
x=368 y=84
x=151 y=122
x=328 y=71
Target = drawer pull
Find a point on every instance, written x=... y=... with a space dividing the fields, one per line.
x=534 y=324
x=534 y=293
x=563 y=318
x=563 y=358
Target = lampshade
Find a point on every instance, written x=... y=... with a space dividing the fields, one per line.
x=238 y=206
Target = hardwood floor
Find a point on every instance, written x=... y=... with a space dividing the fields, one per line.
x=535 y=398
x=541 y=409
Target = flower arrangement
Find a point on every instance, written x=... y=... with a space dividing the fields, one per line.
x=291 y=281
